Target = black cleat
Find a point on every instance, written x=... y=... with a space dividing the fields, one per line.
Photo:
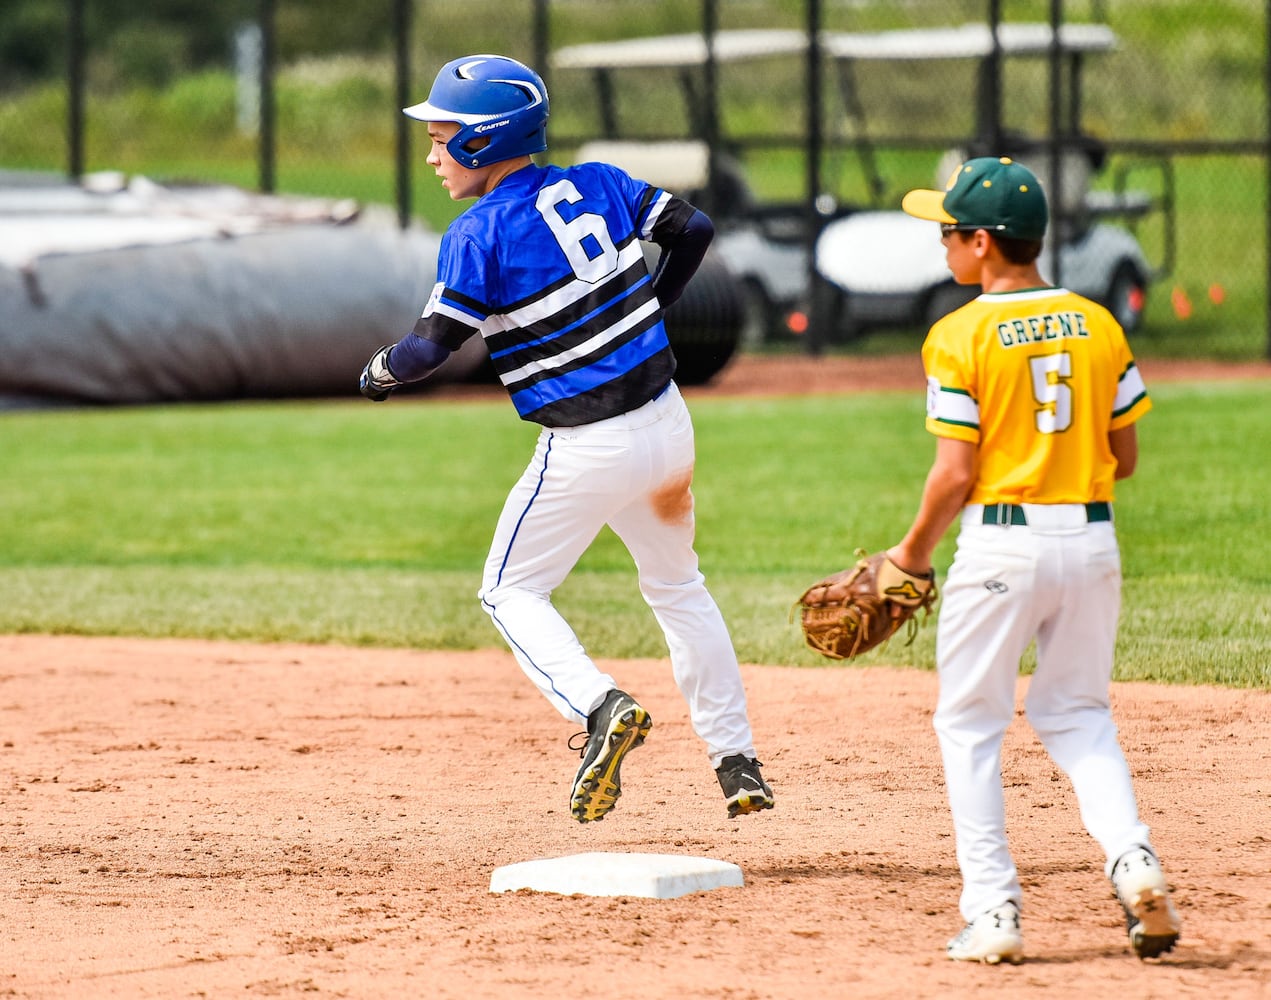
x=745 y=791
x=617 y=726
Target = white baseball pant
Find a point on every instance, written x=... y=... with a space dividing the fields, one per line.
x=633 y=473
x=1058 y=580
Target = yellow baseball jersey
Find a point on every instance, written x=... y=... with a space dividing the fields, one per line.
x=1036 y=379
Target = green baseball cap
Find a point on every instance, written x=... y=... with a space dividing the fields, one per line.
x=989 y=192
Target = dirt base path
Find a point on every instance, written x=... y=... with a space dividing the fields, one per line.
x=192 y=819
x=803 y=374
x=752 y=374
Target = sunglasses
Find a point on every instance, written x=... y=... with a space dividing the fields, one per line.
x=948 y=228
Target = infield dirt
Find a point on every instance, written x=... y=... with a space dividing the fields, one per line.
x=192 y=819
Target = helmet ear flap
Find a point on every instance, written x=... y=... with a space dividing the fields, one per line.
x=464 y=149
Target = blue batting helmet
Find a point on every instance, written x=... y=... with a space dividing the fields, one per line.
x=491 y=97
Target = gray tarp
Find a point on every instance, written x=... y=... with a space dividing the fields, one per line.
x=263 y=303
x=284 y=313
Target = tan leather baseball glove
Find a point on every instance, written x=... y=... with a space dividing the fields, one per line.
x=852 y=612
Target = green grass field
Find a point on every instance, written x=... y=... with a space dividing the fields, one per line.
x=350 y=523
x=300 y=521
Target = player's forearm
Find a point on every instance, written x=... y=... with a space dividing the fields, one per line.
x=413 y=358
x=682 y=255
x=915 y=551
x=1124 y=443
x=948 y=484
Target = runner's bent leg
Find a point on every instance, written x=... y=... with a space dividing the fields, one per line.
x=657 y=527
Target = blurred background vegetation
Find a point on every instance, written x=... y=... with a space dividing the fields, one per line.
x=163 y=99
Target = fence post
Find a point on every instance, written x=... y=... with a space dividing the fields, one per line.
x=266 y=14
x=1055 y=168
x=710 y=106
x=816 y=300
x=75 y=88
x=542 y=42
x=402 y=27
x=989 y=123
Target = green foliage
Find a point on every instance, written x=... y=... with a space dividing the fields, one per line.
x=31 y=127
x=322 y=27
x=150 y=44
x=261 y=521
x=204 y=103
x=31 y=40
x=1228 y=55
x=330 y=108
x=143 y=54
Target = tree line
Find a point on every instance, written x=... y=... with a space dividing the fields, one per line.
x=152 y=42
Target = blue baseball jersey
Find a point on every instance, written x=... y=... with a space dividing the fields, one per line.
x=548 y=268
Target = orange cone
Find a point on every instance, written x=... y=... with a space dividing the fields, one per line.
x=1181 y=303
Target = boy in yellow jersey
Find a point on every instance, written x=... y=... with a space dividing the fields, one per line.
x=1033 y=395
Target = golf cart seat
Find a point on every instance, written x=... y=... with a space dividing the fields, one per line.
x=681 y=166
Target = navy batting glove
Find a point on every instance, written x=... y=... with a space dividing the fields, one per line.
x=378 y=381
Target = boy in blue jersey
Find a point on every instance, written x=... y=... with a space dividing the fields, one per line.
x=546 y=266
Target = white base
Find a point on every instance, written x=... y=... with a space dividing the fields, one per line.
x=657 y=876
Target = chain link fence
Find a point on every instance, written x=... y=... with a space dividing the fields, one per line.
x=1150 y=116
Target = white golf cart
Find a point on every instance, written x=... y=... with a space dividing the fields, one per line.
x=884 y=268
x=763 y=244
x=877 y=266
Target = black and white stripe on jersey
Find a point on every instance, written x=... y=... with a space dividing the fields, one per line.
x=452 y=320
x=579 y=349
x=569 y=302
x=573 y=319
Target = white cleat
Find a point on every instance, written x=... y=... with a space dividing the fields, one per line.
x=1150 y=918
x=992 y=937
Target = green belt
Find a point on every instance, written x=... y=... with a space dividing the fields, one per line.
x=1009 y=513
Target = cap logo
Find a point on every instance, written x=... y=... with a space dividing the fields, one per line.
x=489 y=126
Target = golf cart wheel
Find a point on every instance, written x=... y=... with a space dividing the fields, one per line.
x=1127 y=296
x=831 y=310
x=946 y=298
x=760 y=322
x=704 y=326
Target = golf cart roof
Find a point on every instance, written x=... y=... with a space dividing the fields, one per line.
x=680 y=50
x=968 y=41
